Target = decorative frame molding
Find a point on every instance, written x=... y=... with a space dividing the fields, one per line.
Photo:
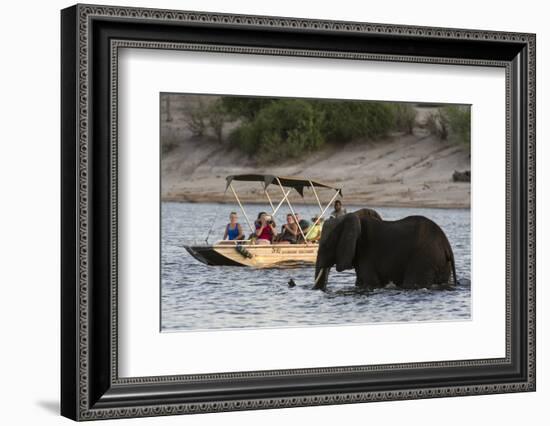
x=91 y=388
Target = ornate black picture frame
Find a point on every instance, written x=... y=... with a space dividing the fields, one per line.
x=90 y=385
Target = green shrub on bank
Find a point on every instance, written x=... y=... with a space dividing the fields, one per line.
x=277 y=129
x=216 y=119
x=459 y=119
x=344 y=121
x=451 y=123
x=404 y=117
x=244 y=108
x=287 y=128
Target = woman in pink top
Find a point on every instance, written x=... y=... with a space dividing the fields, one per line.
x=265 y=229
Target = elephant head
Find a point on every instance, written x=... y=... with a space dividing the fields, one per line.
x=366 y=212
x=337 y=247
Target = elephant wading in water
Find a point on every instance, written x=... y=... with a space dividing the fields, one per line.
x=411 y=253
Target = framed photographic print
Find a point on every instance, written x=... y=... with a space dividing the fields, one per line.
x=263 y=212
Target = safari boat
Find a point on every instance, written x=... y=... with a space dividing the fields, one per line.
x=246 y=252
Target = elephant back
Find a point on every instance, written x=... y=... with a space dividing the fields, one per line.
x=331 y=223
x=367 y=213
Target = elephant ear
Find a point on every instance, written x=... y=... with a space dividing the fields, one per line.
x=326 y=256
x=348 y=235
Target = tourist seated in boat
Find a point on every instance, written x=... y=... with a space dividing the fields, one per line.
x=233 y=230
x=304 y=225
x=253 y=236
x=266 y=229
x=289 y=231
x=339 y=210
x=257 y=221
x=314 y=232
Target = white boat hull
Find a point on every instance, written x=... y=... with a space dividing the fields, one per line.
x=255 y=255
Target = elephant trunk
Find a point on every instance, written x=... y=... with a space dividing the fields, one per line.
x=321 y=278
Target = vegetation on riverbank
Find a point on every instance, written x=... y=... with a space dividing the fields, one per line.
x=274 y=130
x=451 y=123
x=279 y=129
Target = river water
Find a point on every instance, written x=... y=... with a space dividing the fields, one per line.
x=195 y=296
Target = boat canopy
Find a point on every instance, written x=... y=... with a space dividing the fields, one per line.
x=297 y=183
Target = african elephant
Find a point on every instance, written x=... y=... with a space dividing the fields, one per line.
x=412 y=252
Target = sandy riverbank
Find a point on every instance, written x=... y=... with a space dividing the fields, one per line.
x=405 y=171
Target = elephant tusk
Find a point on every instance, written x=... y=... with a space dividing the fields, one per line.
x=321 y=278
x=318 y=277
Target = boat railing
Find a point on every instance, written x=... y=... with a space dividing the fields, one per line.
x=196 y=242
x=232 y=242
x=237 y=242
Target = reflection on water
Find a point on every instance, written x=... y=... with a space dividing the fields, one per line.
x=198 y=297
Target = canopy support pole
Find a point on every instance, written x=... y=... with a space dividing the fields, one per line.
x=325 y=209
x=292 y=211
x=316 y=197
x=241 y=206
x=281 y=202
x=269 y=199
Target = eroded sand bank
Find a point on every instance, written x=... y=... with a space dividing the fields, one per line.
x=404 y=170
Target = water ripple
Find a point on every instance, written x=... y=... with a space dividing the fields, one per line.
x=195 y=296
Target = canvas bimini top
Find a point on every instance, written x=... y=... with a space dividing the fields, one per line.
x=298 y=183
